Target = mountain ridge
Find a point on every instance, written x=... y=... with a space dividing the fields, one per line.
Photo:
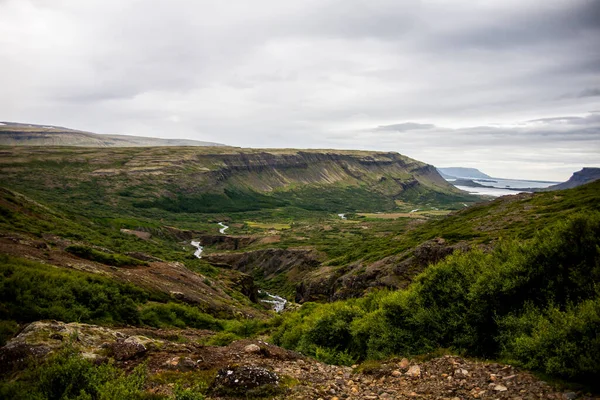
x=21 y=134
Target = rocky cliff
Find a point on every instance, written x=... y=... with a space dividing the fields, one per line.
x=222 y=179
x=586 y=175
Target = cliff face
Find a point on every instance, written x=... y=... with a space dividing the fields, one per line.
x=586 y=175
x=223 y=179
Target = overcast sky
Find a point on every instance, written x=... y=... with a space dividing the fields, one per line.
x=511 y=87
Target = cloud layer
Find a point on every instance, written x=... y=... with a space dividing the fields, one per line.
x=505 y=86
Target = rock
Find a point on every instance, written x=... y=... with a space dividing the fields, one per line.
x=500 y=388
x=414 y=371
x=126 y=349
x=181 y=364
x=396 y=373
x=570 y=395
x=245 y=381
x=404 y=364
x=252 y=349
x=461 y=372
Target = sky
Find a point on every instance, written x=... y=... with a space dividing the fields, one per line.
x=511 y=87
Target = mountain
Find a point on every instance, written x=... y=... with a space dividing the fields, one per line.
x=578 y=178
x=460 y=172
x=18 y=134
x=224 y=179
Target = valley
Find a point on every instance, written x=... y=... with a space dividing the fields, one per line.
x=343 y=257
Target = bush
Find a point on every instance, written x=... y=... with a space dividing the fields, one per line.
x=535 y=302
x=178 y=315
x=560 y=343
x=67 y=376
x=116 y=260
x=32 y=291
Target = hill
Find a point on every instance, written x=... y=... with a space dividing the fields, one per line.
x=222 y=179
x=18 y=134
x=578 y=178
x=461 y=172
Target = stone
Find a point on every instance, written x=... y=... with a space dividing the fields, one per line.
x=252 y=349
x=126 y=349
x=396 y=373
x=245 y=380
x=414 y=371
x=570 y=395
x=500 y=388
x=403 y=364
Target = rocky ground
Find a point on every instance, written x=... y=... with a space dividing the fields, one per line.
x=254 y=367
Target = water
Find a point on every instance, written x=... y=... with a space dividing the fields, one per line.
x=278 y=303
x=223 y=227
x=499 y=187
x=198 y=252
x=496 y=192
x=342 y=216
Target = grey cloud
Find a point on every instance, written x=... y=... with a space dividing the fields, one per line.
x=406 y=126
x=589 y=92
x=313 y=73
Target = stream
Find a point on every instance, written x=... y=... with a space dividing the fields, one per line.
x=198 y=252
x=278 y=303
x=223 y=227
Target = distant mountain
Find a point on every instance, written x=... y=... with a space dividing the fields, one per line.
x=586 y=175
x=18 y=134
x=460 y=172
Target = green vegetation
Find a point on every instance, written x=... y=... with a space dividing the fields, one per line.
x=506 y=303
x=31 y=291
x=116 y=260
x=66 y=376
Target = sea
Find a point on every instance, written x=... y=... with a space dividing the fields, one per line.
x=499 y=186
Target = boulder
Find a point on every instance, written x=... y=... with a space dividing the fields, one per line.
x=245 y=381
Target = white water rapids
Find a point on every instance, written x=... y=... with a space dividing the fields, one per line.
x=198 y=252
x=278 y=303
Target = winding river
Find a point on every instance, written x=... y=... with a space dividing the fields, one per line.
x=223 y=227
x=277 y=302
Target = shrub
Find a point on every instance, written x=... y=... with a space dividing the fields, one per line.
x=67 y=376
x=536 y=302
x=178 y=315
x=561 y=343
x=116 y=260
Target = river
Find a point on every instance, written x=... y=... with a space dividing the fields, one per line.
x=198 y=252
x=278 y=303
x=223 y=227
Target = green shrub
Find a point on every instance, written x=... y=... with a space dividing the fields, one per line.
x=67 y=376
x=116 y=260
x=222 y=339
x=31 y=291
x=178 y=315
x=535 y=302
x=560 y=343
